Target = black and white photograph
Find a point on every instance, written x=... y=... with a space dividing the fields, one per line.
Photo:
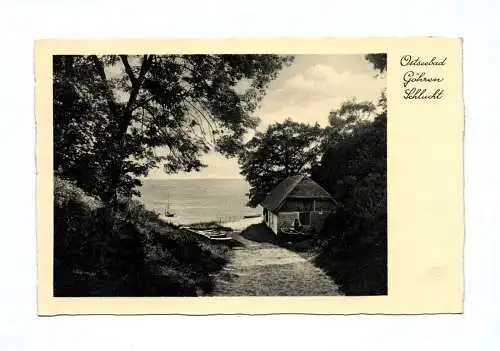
x=220 y=175
x=223 y=175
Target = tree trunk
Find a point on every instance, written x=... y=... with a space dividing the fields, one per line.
x=123 y=118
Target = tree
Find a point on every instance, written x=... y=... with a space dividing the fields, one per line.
x=283 y=150
x=117 y=116
x=349 y=131
x=345 y=120
x=355 y=164
x=354 y=246
x=354 y=170
x=379 y=61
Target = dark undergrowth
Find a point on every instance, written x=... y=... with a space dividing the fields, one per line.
x=355 y=254
x=127 y=252
x=353 y=246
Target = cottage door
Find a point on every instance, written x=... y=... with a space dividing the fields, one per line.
x=305 y=218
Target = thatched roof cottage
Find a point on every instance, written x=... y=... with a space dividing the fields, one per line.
x=297 y=200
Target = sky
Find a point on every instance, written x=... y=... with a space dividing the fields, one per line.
x=305 y=92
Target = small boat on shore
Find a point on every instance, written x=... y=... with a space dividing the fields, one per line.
x=252 y=216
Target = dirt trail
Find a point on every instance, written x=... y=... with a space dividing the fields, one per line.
x=259 y=267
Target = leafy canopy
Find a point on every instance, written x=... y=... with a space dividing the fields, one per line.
x=118 y=116
x=353 y=169
x=379 y=61
x=283 y=150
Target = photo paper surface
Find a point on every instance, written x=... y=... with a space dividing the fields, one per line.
x=250 y=176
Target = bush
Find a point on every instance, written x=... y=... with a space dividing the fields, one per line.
x=129 y=252
x=354 y=239
x=355 y=254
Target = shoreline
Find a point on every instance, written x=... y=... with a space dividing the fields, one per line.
x=218 y=231
x=243 y=223
x=215 y=223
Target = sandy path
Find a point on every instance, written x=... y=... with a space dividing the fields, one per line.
x=260 y=268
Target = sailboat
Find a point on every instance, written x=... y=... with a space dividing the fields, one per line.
x=167 y=210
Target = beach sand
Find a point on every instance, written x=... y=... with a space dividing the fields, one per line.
x=243 y=223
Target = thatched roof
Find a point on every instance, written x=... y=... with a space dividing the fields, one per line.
x=294 y=187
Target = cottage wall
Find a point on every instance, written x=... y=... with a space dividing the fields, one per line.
x=272 y=222
x=286 y=219
x=292 y=208
x=300 y=205
x=306 y=205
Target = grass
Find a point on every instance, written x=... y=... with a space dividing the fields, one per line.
x=129 y=252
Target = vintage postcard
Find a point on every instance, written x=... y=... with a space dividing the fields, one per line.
x=250 y=176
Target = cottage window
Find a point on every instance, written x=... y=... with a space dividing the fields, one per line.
x=305 y=218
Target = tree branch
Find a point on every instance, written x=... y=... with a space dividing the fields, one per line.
x=146 y=64
x=127 y=116
x=109 y=94
x=140 y=104
x=128 y=69
x=207 y=119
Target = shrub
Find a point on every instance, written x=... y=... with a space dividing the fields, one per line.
x=129 y=252
x=354 y=239
x=355 y=254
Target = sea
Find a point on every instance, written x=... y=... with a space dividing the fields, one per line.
x=198 y=200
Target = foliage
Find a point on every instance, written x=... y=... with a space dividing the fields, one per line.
x=358 y=159
x=284 y=149
x=130 y=252
x=353 y=242
x=351 y=116
x=379 y=61
x=117 y=116
x=353 y=169
x=356 y=254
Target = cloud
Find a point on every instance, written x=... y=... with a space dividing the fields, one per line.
x=305 y=92
x=309 y=95
x=321 y=82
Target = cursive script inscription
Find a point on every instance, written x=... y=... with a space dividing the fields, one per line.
x=419 y=84
x=419 y=77
x=417 y=93
x=408 y=60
